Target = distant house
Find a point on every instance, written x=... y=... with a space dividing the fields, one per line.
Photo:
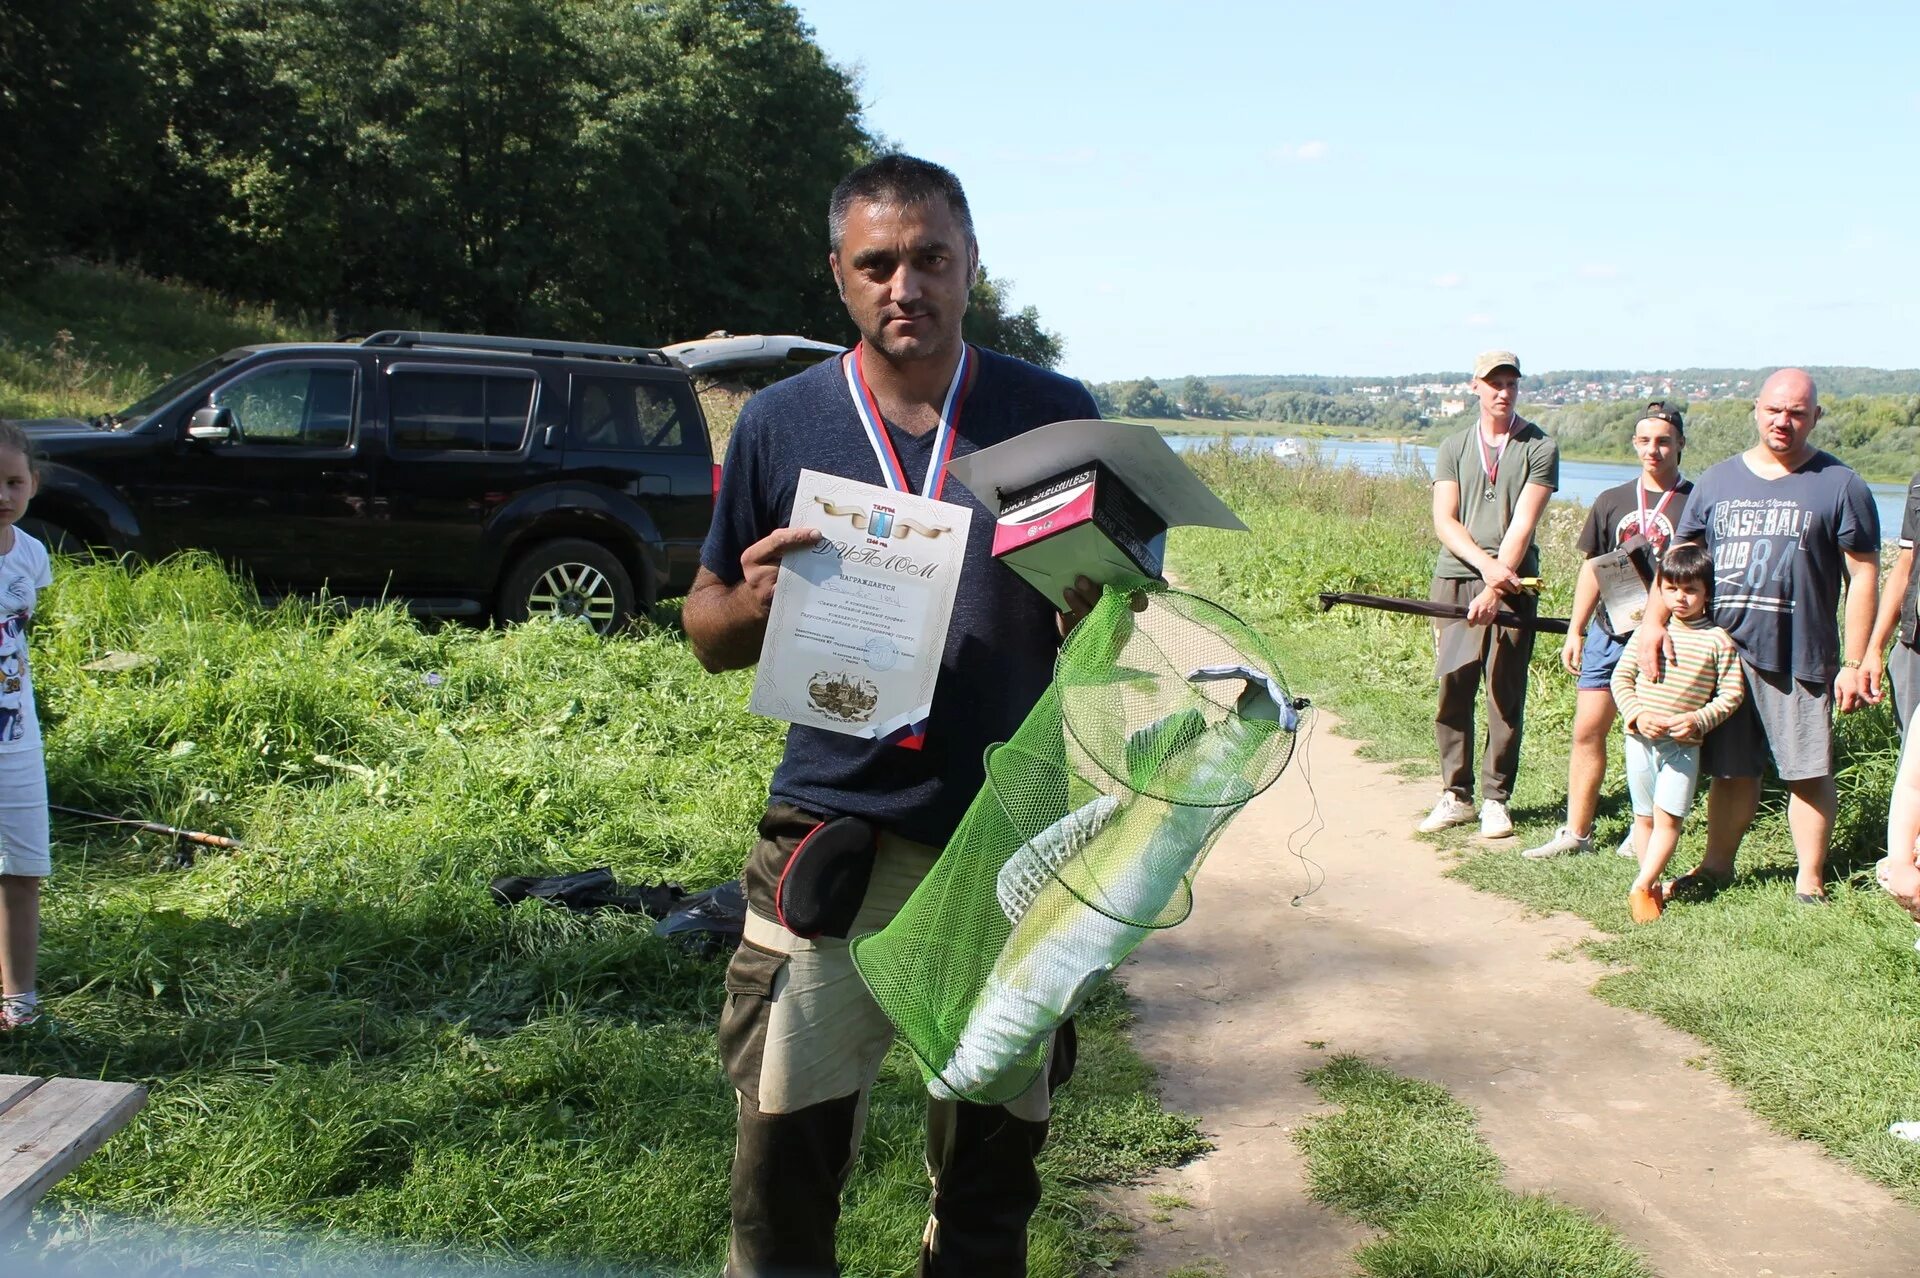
x=1452 y=407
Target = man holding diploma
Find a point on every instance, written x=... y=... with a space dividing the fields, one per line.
x=801 y=1039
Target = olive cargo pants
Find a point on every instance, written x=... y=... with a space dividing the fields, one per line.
x=1465 y=655
x=803 y=1041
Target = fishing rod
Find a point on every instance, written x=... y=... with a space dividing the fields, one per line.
x=200 y=837
x=1446 y=611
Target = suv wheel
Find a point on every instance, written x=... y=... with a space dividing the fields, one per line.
x=571 y=579
x=56 y=539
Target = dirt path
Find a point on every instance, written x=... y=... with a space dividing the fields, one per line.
x=1593 y=1105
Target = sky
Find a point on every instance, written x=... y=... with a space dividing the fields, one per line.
x=1212 y=188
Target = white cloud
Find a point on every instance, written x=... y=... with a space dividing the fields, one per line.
x=1599 y=271
x=1302 y=152
x=1479 y=319
x=1451 y=279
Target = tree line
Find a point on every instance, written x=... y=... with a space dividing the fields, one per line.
x=1201 y=399
x=603 y=169
x=1878 y=435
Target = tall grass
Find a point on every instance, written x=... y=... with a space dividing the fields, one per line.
x=1813 y=1013
x=79 y=339
x=342 y=1032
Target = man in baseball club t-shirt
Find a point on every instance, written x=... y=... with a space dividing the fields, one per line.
x=1490 y=483
x=1786 y=524
x=1645 y=509
x=1899 y=620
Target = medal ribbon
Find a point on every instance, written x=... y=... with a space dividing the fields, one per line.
x=867 y=408
x=1640 y=499
x=1490 y=463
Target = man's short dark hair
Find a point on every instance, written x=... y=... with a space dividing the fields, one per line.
x=897 y=179
x=1689 y=562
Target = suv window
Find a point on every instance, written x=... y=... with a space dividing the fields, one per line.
x=302 y=406
x=443 y=411
x=621 y=414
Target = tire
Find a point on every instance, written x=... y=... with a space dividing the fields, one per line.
x=568 y=578
x=56 y=539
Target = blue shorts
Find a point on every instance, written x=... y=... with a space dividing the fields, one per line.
x=1598 y=658
x=1662 y=774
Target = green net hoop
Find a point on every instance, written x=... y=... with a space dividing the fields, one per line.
x=1159 y=726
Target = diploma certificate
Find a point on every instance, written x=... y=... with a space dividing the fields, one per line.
x=859 y=620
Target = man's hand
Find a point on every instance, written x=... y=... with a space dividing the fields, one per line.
x=1849 y=693
x=1483 y=609
x=1873 y=677
x=1570 y=652
x=1900 y=876
x=1082 y=596
x=1500 y=578
x=1653 y=648
x=1684 y=728
x=760 y=562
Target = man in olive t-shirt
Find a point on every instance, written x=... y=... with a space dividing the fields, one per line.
x=1490 y=484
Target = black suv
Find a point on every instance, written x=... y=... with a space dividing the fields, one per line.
x=468 y=475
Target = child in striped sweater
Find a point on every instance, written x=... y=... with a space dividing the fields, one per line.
x=1665 y=720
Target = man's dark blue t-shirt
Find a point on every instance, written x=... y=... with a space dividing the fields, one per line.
x=1001 y=641
x=1777 y=561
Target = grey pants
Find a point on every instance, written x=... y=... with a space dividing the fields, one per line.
x=1903 y=671
x=1466 y=655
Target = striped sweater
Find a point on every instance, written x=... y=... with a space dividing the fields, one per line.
x=1703 y=679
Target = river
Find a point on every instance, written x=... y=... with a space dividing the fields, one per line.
x=1580 y=481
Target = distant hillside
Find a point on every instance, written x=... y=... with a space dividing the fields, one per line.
x=1833 y=380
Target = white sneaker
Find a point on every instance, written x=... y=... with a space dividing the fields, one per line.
x=1450 y=811
x=1494 y=821
x=1626 y=847
x=1563 y=843
x=1905 y=1131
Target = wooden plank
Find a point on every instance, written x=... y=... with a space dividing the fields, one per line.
x=50 y=1130
x=14 y=1086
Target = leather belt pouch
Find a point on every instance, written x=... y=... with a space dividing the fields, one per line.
x=825 y=880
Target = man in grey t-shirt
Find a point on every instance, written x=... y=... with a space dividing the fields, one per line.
x=1490 y=484
x=1787 y=525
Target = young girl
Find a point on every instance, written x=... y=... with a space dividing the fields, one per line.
x=24 y=837
x=1665 y=721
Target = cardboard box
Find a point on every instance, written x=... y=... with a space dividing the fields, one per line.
x=1082 y=523
x=1087 y=498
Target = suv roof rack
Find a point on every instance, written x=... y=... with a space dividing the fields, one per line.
x=529 y=345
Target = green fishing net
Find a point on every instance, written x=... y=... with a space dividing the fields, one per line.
x=1161 y=723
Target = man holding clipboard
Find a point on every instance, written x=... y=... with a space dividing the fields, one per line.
x=857 y=821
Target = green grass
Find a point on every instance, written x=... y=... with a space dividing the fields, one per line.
x=1813 y=1013
x=76 y=340
x=342 y=1034
x=1406 y=1158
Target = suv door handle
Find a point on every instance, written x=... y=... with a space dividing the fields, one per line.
x=355 y=475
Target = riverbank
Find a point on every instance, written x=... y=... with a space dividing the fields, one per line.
x=1187 y=429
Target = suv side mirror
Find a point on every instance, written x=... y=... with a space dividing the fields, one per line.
x=209 y=424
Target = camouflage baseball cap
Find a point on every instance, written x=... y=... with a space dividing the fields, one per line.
x=1490 y=360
